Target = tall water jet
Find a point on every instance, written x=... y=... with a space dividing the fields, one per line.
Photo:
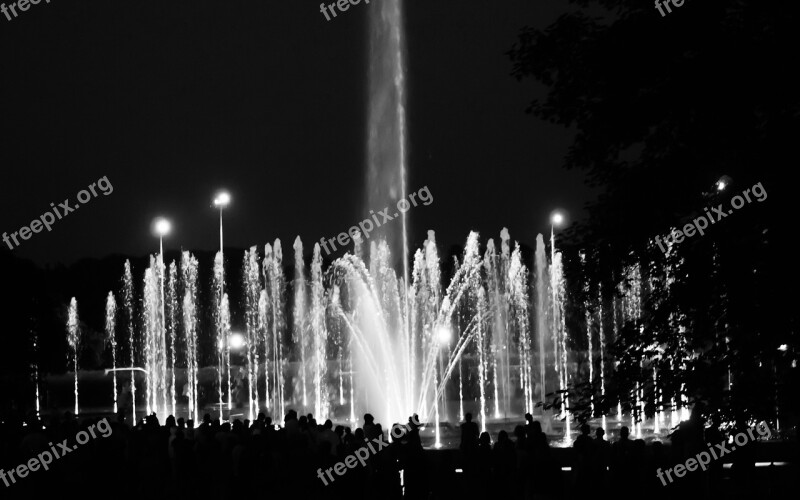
x=127 y=298
x=559 y=327
x=155 y=343
x=481 y=307
x=225 y=335
x=172 y=328
x=274 y=286
x=319 y=336
x=496 y=283
x=189 y=280
x=299 y=333
x=111 y=339
x=386 y=133
x=252 y=296
x=602 y=338
x=35 y=366
x=542 y=310
x=587 y=311
x=73 y=339
x=518 y=301
x=222 y=339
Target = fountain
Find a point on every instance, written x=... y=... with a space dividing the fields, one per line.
x=111 y=339
x=127 y=295
x=189 y=285
x=73 y=339
x=378 y=330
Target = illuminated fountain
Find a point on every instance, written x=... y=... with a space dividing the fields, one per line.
x=127 y=297
x=378 y=330
x=189 y=315
x=73 y=339
x=490 y=335
x=111 y=339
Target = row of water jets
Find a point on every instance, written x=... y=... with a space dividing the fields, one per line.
x=357 y=338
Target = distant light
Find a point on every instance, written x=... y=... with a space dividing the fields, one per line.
x=222 y=199
x=444 y=334
x=459 y=471
x=236 y=341
x=783 y=347
x=162 y=226
x=557 y=218
x=723 y=183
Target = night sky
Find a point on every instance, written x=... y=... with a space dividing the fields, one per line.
x=172 y=100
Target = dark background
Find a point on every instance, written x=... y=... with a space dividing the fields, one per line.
x=173 y=100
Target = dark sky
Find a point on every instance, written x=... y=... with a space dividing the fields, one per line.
x=172 y=99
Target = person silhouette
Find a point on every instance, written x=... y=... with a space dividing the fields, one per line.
x=584 y=449
x=622 y=456
x=600 y=460
x=469 y=434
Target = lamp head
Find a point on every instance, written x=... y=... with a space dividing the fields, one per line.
x=556 y=218
x=237 y=341
x=162 y=227
x=222 y=199
x=723 y=183
x=444 y=334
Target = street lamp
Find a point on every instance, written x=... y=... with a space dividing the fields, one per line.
x=221 y=200
x=723 y=183
x=237 y=341
x=162 y=228
x=556 y=219
x=444 y=334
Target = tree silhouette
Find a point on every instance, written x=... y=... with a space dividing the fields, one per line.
x=663 y=107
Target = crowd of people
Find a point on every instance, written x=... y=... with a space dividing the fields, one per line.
x=179 y=459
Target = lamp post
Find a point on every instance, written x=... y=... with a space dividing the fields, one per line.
x=162 y=227
x=556 y=219
x=221 y=201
